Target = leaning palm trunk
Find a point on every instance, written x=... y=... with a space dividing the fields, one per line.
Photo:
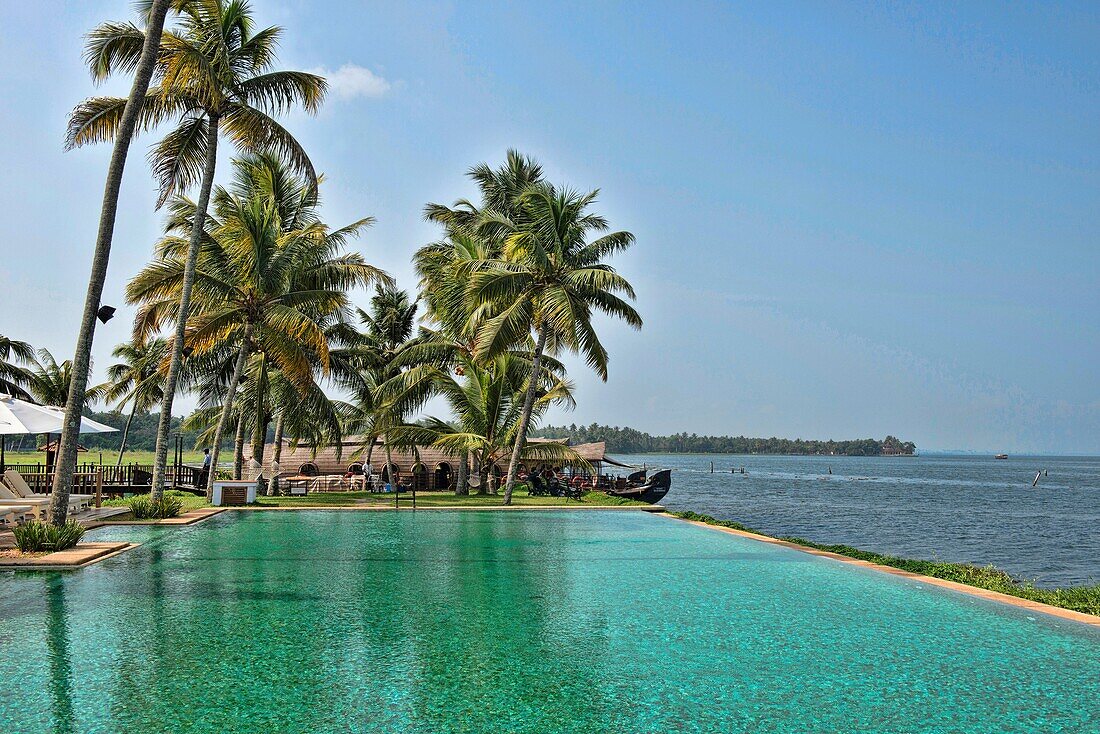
x=74 y=404
x=125 y=433
x=460 y=487
x=525 y=417
x=276 y=457
x=238 y=448
x=176 y=363
x=227 y=409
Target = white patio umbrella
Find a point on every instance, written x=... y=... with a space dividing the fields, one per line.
x=20 y=417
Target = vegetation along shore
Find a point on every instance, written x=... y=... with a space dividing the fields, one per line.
x=632 y=441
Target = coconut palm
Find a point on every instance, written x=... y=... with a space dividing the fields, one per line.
x=548 y=283
x=214 y=73
x=260 y=287
x=49 y=381
x=487 y=401
x=379 y=400
x=14 y=358
x=142 y=62
x=136 y=380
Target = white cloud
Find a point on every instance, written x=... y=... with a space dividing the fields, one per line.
x=351 y=81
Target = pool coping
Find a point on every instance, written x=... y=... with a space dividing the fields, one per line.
x=191 y=517
x=1033 y=606
x=80 y=556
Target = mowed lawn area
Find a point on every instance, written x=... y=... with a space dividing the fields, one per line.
x=110 y=456
x=423 y=499
x=439 y=499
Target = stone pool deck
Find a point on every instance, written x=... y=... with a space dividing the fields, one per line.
x=1032 y=606
x=186 y=518
x=83 y=554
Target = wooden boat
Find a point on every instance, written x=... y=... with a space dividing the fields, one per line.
x=651 y=490
x=1001 y=456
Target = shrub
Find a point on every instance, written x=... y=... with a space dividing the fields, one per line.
x=143 y=507
x=35 y=536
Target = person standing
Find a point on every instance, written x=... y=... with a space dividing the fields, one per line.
x=204 y=475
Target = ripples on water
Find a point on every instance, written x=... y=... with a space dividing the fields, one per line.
x=953 y=508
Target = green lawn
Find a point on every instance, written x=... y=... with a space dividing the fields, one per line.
x=423 y=499
x=437 y=499
x=109 y=457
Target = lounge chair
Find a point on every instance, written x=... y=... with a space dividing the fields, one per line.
x=12 y=514
x=17 y=484
x=38 y=508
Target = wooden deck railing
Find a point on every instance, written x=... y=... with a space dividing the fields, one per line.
x=115 y=479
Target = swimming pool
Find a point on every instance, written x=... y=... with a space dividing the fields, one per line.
x=585 y=621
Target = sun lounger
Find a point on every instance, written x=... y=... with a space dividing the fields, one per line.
x=17 y=484
x=12 y=514
x=39 y=508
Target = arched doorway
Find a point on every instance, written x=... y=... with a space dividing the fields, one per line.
x=420 y=477
x=443 y=475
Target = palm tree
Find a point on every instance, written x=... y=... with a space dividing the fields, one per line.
x=260 y=286
x=141 y=61
x=136 y=380
x=379 y=400
x=487 y=401
x=14 y=356
x=214 y=74
x=548 y=283
x=49 y=381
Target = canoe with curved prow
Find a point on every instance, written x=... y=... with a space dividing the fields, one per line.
x=650 y=490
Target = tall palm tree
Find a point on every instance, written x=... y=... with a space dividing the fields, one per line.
x=14 y=357
x=141 y=61
x=548 y=283
x=214 y=74
x=379 y=400
x=136 y=380
x=260 y=287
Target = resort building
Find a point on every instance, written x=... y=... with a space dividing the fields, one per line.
x=426 y=467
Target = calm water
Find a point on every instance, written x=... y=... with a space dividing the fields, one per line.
x=516 y=622
x=952 y=508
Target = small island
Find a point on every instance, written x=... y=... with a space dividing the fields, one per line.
x=631 y=441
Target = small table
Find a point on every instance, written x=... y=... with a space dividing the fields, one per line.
x=298 y=484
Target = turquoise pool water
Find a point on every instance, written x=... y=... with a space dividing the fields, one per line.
x=516 y=622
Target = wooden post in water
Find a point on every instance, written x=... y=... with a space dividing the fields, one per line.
x=1037 y=474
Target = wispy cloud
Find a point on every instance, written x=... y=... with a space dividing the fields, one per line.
x=351 y=81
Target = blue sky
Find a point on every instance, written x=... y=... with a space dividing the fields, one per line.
x=852 y=220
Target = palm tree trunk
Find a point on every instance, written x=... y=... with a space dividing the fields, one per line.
x=482 y=480
x=370 y=449
x=227 y=409
x=276 y=457
x=125 y=433
x=176 y=363
x=259 y=429
x=238 y=447
x=82 y=359
x=460 y=488
x=525 y=417
x=389 y=468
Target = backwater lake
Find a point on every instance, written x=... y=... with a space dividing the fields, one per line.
x=939 y=507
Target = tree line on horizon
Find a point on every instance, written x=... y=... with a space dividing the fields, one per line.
x=246 y=303
x=631 y=441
